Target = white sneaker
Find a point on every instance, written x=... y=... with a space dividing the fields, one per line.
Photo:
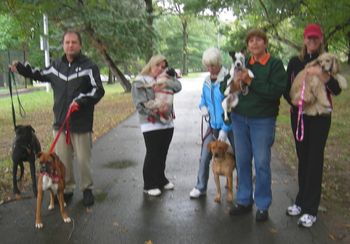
x=306 y=220
x=195 y=193
x=153 y=192
x=169 y=186
x=293 y=210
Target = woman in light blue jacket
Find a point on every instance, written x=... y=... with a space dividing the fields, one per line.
x=210 y=106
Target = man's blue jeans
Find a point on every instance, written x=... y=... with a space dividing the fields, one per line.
x=253 y=138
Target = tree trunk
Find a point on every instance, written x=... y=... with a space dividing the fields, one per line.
x=110 y=77
x=349 y=47
x=184 y=47
x=149 y=10
x=108 y=60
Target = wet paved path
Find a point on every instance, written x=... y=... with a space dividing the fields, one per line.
x=123 y=214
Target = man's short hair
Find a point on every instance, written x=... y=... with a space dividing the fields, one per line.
x=72 y=31
x=258 y=33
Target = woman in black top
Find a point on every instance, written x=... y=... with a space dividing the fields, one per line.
x=310 y=150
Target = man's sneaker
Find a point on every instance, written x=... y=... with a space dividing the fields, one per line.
x=293 y=210
x=261 y=215
x=88 y=198
x=169 y=186
x=153 y=192
x=195 y=193
x=239 y=209
x=306 y=220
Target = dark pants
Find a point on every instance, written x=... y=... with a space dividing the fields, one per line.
x=157 y=145
x=310 y=154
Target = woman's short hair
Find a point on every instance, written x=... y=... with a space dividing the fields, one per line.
x=154 y=60
x=258 y=33
x=212 y=56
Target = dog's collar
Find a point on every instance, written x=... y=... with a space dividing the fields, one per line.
x=262 y=61
x=54 y=176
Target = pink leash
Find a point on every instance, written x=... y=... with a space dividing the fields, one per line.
x=69 y=112
x=300 y=114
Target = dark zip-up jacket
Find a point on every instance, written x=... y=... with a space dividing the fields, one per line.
x=78 y=81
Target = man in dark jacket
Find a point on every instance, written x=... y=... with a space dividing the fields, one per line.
x=76 y=83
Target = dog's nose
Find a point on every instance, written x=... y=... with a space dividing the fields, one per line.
x=44 y=168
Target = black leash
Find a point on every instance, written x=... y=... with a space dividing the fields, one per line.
x=209 y=131
x=22 y=112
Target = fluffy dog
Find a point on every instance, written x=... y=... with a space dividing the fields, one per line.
x=51 y=177
x=24 y=148
x=235 y=86
x=164 y=97
x=315 y=95
x=223 y=163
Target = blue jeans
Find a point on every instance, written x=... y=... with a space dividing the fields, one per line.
x=254 y=138
x=204 y=162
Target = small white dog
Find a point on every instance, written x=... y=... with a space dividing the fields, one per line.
x=234 y=86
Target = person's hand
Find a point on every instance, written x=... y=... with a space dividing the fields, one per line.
x=222 y=135
x=314 y=70
x=164 y=108
x=74 y=106
x=317 y=70
x=13 y=66
x=204 y=111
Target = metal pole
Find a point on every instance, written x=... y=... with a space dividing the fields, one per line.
x=46 y=46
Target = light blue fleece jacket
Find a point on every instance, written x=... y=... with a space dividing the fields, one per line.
x=211 y=98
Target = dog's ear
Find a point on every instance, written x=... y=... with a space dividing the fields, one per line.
x=336 y=65
x=32 y=129
x=225 y=147
x=232 y=54
x=53 y=156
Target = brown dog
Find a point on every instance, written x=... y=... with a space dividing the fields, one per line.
x=52 y=173
x=223 y=163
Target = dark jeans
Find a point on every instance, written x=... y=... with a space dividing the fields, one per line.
x=310 y=154
x=157 y=145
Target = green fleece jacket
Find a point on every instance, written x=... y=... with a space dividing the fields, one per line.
x=269 y=83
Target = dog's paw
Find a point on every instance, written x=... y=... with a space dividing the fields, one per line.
x=39 y=225
x=51 y=207
x=217 y=199
x=67 y=220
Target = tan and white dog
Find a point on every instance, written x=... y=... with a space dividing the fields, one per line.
x=51 y=178
x=315 y=95
x=235 y=86
x=223 y=163
x=164 y=97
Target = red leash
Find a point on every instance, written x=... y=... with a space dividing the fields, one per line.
x=72 y=108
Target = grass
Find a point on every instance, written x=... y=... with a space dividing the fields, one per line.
x=335 y=194
x=114 y=107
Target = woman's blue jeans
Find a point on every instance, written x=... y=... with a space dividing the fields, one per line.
x=253 y=138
